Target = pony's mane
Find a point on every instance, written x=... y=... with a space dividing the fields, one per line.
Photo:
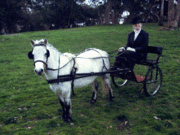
x=53 y=48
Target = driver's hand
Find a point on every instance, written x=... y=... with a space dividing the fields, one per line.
x=131 y=49
x=121 y=49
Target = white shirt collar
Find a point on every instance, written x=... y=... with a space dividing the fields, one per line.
x=136 y=33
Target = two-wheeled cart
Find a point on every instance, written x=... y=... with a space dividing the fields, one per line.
x=152 y=80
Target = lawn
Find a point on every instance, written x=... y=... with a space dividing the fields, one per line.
x=28 y=106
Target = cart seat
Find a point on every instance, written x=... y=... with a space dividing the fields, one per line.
x=149 y=62
x=154 y=50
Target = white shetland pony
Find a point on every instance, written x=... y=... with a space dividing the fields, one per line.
x=48 y=60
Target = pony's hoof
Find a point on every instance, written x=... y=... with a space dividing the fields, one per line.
x=93 y=101
x=112 y=99
x=69 y=119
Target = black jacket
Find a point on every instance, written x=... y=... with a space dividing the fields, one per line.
x=140 y=44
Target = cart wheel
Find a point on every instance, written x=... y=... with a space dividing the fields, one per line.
x=118 y=82
x=153 y=81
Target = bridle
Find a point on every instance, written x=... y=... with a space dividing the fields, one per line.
x=45 y=63
x=31 y=56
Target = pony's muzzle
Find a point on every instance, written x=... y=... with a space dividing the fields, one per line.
x=39 y=72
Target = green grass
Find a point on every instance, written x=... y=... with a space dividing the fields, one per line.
x=27 y=101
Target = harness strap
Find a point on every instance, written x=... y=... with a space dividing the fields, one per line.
x=73 y=73
x=58 y=69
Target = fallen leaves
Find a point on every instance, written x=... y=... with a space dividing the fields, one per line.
x=155 y=117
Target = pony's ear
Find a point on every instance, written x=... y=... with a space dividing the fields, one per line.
x=30 y=55
x=48 y=53
x=45 y=41
x=32 y=43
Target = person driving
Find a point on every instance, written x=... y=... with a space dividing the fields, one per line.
x=135 y=50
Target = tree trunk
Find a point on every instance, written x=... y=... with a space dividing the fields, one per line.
x=160 y=23
x=70 y=16
x=107 y=12
x=178 y=14
x=149 y=11
x=171 y=13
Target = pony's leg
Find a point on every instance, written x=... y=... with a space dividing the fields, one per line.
x=63 y=107
x=68 y=111
x=95 y=91
x=66 y=106
x=65 y=101
x=107 y=80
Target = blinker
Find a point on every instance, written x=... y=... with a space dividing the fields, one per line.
x=48 y=53
x=30 y=55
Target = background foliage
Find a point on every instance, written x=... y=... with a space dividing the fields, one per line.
x=34 y=15
x=28 y=106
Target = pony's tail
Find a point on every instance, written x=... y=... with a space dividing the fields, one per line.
x=105 y=88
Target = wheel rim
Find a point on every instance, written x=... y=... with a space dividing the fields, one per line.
x=153 y=82
x=118 y=82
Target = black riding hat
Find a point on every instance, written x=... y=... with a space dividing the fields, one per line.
x=136 y=20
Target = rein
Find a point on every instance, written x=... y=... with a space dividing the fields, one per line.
x=59 y=67
x=112 y=52
x=73 y=75
x=47 y=68
x=74 y=61
x=119 y=54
